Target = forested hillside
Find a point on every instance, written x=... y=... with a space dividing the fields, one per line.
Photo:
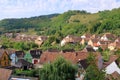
x=72 y=22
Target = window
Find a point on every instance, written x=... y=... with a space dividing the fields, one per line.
x=4 y=57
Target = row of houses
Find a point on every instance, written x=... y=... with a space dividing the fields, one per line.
x=24 y=37
x=19 y=58
x=37 y=58
x=80 y=58
x=108 y=40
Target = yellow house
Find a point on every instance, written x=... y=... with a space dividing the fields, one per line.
x=4 y=59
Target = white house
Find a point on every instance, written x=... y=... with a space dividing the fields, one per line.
x=111 y=65
x=63 y=42
x=112 y=68
x=107 y=37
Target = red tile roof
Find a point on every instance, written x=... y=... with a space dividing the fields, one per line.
x=115 y=75
x=111 y=59
x=5 y=74
x=74 y=57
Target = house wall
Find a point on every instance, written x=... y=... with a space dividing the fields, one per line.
x=112 y=68
x=28 y=57
x=82 y=42
x=90 y=43
x=34 y=60
x=111 y=48
x=63 y=42
x=104 y=38
x=5 y=60
x=13 y=59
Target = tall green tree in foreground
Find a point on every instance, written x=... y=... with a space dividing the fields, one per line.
x=61 y=69
x=92 y=72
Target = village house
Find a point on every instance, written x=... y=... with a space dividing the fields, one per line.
x=94 y=36
x=15 y=56
x=87 y=36
x=117 y=43
x=4 y=59
x=111 y=46
x=28 y=57
x=8 y=35
x=19 y=54
x=93 y=43
x=108 y=37
x=24 y=37
x=111 y=66
x=40 y=40
x=70 y=39
x=88 y=49
x=84 y=41
x=35 y=54
x=114 y=45
x=104 y=44
x=74 y=57
x=23 y=64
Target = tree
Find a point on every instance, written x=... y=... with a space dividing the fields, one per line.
x=60 y=69
x=106 y=54
x=118 y=54
x=92 y=72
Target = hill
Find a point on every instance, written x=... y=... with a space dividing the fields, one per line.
x=72 y=22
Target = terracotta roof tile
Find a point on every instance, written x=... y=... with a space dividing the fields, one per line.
x=111 y=59
x=115 y=75
x=5 y=74
x=74 y=57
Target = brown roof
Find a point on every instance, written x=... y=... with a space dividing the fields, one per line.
x=74 y=57
x=118 y=39
x=111 y=59
x=95 y=40
x=43 y=38
x=1 y=52
x=118 y=45
x=109 y=35
x=20 y=54
x=5 y=74
x=48 y=56
x=115 y=75
x=10 y=51
x=72 y=38
x=105 y=42
x=94 y=36
x=88 y=35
